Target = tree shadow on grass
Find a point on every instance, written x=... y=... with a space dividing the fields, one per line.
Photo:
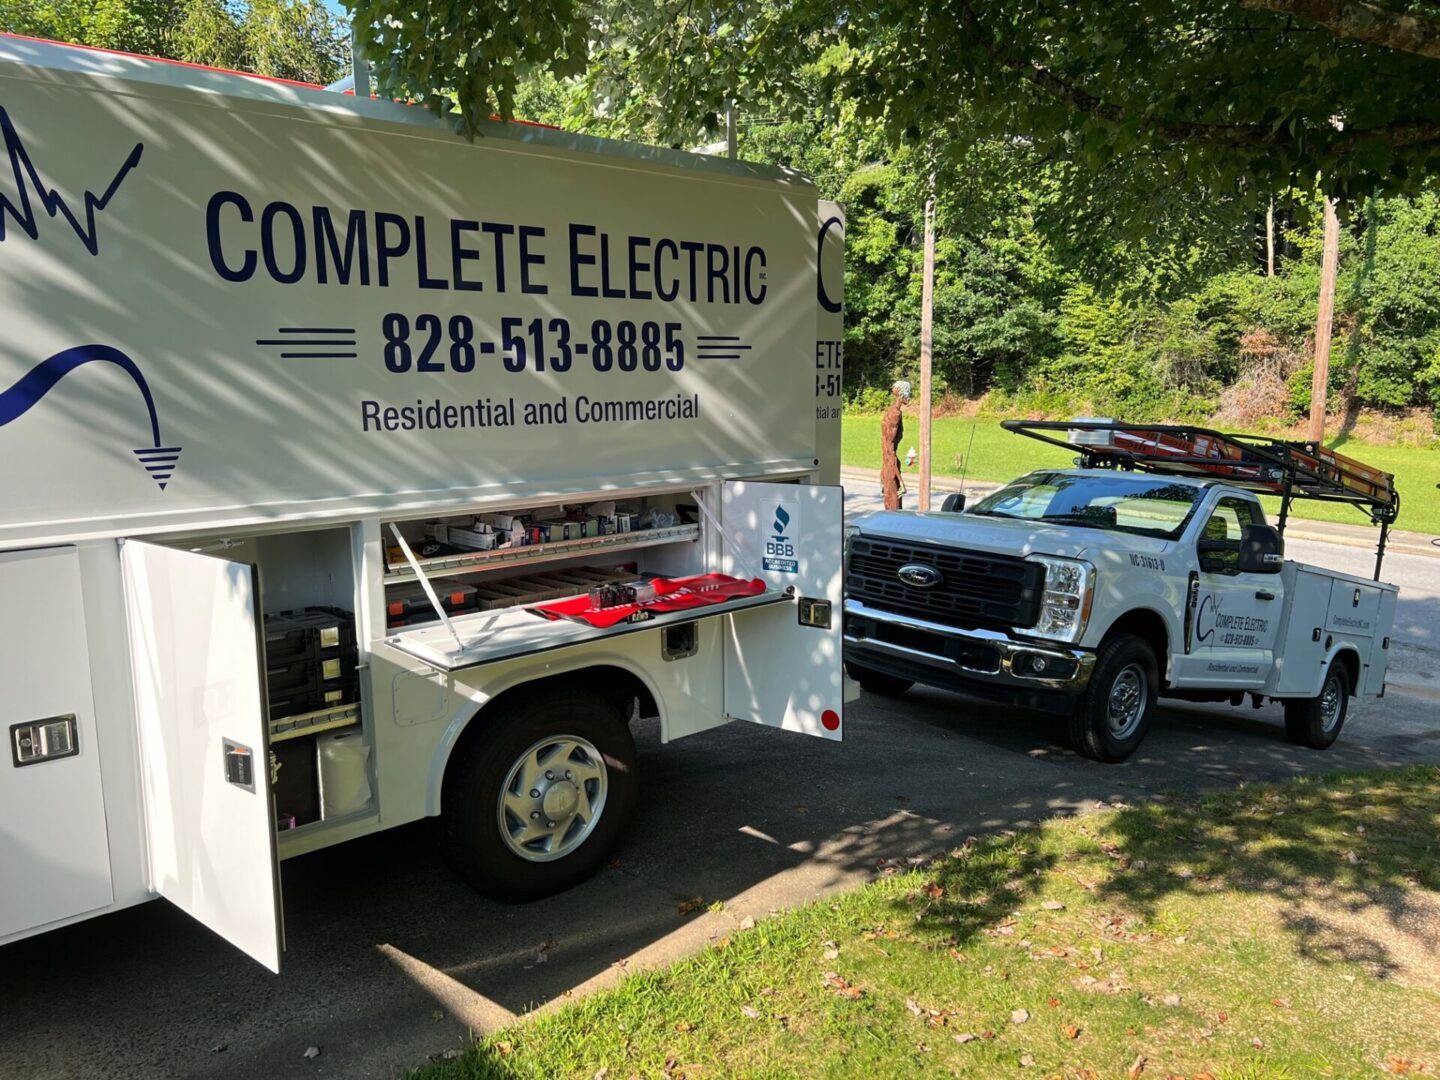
x=1350 y=863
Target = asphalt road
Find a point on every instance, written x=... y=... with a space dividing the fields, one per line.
x=391 y=960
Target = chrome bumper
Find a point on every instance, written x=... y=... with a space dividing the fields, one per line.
x=984 y=656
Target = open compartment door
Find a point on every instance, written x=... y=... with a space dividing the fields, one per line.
x=783 y=664
x=197 y=657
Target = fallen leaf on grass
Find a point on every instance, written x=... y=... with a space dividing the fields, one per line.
x=832 y=954
x=1070 y=1031
x=934 y=890
x=601 y=1073
x=1053 y=905
x=1027 y=1059
x=504 y=1049
x=965 y=1038
x=685 y=907
x=684 y=1027
x=842 y=986
x=1258 y=1043
x=1136 y=1068
x=750 y=1012
x=1172 y=1000
x=1399 y=1066
x=1019 y=1016
x=1280 y=1002
x=1207 y=1033
x=747 y=923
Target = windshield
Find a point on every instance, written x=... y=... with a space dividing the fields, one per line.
x=1122 y=502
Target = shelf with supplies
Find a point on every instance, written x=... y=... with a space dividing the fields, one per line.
x=471 y=562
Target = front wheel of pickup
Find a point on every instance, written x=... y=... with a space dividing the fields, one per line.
x=1114 y=713
x=877 y=682
x=1316 y=722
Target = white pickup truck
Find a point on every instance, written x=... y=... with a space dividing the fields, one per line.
x=1149 y=572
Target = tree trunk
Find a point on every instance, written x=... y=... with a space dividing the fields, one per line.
x=1270 y=239
x=1325 y=318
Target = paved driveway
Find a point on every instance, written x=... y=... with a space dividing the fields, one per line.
x=391 y=960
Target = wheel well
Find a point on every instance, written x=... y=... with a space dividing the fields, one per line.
x=1149 y=627
x=1351 y=660
x=622 y=687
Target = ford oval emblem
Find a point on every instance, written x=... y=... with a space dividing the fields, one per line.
x=919 y=576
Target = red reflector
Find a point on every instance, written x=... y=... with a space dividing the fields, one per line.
x=831 y=719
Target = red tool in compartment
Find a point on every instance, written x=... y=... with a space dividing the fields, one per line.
x=671 y=595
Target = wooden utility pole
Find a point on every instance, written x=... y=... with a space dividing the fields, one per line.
x=1324 y=320
x=927 y=315
x=1270 y=239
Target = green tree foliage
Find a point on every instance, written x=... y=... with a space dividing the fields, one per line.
x=1239 y=98
x=290 y=39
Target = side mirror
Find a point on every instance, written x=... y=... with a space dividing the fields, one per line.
x=1262 y=550
x=954 y=503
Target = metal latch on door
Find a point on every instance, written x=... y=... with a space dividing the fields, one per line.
x=43 y=740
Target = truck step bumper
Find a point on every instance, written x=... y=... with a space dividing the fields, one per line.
x=982 y=662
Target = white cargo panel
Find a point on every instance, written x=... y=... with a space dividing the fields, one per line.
x=54 y=853
x=355 y=308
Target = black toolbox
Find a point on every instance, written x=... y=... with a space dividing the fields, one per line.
x=309 y=633
x=406 y=604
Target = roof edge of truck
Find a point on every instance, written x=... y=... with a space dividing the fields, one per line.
x=91 y=61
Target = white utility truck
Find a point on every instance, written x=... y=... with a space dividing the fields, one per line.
x=356 y=473
x=1148 y=571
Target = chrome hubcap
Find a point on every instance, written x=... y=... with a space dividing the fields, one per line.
x=1127 y=701
x=552 y=798
x=1330 y=704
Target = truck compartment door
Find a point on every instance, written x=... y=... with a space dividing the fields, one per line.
x=196 y=654
x=783 y=664
x=54 y=848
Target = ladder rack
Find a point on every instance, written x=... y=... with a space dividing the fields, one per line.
x=1289 y=469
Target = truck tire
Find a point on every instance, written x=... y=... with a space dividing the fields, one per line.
x=1114 y=713
x=877 y=682
x=1316 y=722
x=536 y=800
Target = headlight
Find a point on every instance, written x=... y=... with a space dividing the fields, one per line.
x=1066 y=602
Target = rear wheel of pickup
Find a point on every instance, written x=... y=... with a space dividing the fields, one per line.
x=877 y=682
x=1114 y=713
x=1316 y=722
x=536 y=800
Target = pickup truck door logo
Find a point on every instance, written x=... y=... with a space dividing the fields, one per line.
x=919 y=576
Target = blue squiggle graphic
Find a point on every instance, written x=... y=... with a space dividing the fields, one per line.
x=39 y=380
x=27 y=177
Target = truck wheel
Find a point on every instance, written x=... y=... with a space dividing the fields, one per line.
x=877 y=682
x=1316 y=722
x=1118 y=704
x=534 y=803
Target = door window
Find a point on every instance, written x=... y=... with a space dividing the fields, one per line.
x=1227 y=522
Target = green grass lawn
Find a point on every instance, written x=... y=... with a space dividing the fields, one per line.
x=1274 y=932
x=996 y=454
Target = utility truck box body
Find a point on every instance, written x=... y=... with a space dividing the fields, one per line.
x=262 y=346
